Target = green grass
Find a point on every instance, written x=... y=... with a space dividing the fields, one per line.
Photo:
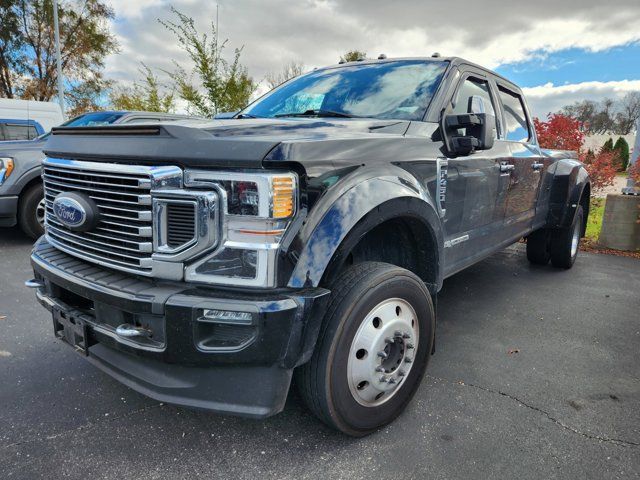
x=594 y=222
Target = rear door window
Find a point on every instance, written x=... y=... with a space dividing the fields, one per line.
x=19 y=132
x=517 y=124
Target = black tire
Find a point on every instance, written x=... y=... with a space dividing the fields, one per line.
x=538 y=247
x=323 y=381
x=27 y=211
x=561 y=245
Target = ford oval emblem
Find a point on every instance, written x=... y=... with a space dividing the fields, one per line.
x=69 y=212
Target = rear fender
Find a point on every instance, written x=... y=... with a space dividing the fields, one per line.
x=570 y=182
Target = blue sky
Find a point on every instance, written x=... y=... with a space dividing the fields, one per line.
x=575 y=65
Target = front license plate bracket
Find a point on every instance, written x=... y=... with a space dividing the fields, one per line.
x=71 y=329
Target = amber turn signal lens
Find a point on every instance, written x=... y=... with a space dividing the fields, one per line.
x=283 y=197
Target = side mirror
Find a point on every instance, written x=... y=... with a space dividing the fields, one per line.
x=480 y=132
x=225 y=115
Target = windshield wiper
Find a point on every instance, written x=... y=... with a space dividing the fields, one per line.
x=316 y=113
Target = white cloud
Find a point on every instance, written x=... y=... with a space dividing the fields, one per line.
x=317 y=32
x=131 y=9
x=551 y=98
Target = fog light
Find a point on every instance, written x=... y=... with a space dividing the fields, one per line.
x=227 y=316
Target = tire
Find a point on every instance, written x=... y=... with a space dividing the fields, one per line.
x=28 y=209
x=565 y=243
x=538 y=247
x=363 y=296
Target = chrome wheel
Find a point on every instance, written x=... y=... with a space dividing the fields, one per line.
x=40 y=212
x=382 y=352
x=575 y=240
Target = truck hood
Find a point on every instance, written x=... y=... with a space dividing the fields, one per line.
x=217 y=143
x=292 y=128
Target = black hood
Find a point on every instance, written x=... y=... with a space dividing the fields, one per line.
x=241 y=143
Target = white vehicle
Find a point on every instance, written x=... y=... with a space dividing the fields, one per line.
x=45 y=114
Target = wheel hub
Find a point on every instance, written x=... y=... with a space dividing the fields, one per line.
x=382 y=352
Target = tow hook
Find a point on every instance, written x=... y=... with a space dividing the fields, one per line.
x=129 y=331
x=33 y=283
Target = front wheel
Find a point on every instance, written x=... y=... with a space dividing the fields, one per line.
x=372 y=350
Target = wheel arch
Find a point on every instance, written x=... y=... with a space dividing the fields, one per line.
x=570 y=188
x=362 y=214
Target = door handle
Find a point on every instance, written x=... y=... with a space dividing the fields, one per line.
x=506 y=167
x=537 y=166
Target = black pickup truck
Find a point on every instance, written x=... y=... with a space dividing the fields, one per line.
x=306 y=237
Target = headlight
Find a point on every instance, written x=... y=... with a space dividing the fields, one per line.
x=257 y=209
x=6 y=167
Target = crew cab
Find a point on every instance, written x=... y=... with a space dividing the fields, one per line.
x=307 y=236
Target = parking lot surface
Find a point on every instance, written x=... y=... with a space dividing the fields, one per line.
x=536 y=375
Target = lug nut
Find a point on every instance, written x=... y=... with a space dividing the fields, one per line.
x=392 y=381
x=406 y=335
x=401 y=373
x=407 y=360
x=389 y=340
x=383 y=380
x=382 y=355
x=380 y=369
x=409 y=345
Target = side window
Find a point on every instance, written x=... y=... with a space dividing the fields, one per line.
x=473 y=97
x=517 y=126
x=20 y=132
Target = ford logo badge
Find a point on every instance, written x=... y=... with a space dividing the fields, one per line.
x=75 y=211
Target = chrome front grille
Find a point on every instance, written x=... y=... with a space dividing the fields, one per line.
x=123 y=238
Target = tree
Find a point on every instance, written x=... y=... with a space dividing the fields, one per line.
x=621 y=149
x=560 y=132
x=607 y=146
x=147 y=95
x=12 y=56
x=607 y=116
x=353 y=56
x=565 y=133
x=86 y=96
x=629 y=112
x=223 y=85
x=29 y=69
x=288 y=71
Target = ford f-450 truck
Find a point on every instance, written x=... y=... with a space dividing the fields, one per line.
x=306 y=237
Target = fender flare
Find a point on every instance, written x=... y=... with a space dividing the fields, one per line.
x=570 y=181
x=358 y=210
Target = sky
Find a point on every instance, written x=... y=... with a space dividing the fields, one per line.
x=559 y=51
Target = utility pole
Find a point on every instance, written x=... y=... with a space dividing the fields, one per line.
x=217 y=7
x=58 y=59
x=631 y=188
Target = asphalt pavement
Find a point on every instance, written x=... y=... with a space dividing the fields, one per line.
x=536 y=375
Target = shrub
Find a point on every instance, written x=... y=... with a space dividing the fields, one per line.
x=621 y=149
x=602 y=170
x=608 y=146
x=564 y=133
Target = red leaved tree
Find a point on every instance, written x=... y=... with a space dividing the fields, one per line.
x=562 y=132
x=559 y=132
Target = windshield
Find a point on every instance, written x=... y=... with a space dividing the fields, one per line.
x=90 y=120
x=93 y=119
x=389 y=90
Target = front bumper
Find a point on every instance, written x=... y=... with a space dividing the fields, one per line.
x=228 y=366
x=8 y=211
